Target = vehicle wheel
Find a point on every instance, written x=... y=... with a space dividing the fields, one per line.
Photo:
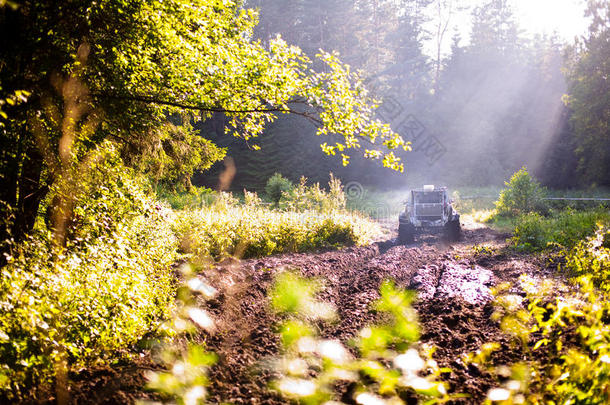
x=406 y=233
x=453 y=230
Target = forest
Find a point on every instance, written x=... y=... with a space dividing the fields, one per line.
x=474 y=114
x=296 y=201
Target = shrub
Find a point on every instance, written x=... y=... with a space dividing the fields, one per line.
x=88 y=301
x=307 y=198
x=186 y=376
x=565 y=344
x=564 y=339
x=252 y=199
x=534 y=232
x=276 y=186
x=592 y=258
x=225 y=229
x=522 y=195
x=195 y=198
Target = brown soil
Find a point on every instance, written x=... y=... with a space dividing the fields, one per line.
x=454 y=308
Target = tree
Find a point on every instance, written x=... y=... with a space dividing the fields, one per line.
x=494 y=28
x=117 y=69
x=409 y=72
x=589 y=96
x=522 y=195
x=499 y=99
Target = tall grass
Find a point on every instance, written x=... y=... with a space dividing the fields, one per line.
x=533 y=232
x=90 y=299
x=251 y=230
x=195 y=198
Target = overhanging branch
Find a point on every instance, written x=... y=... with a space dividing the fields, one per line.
x=194 y=107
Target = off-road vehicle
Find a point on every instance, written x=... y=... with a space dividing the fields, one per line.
x=428 y=210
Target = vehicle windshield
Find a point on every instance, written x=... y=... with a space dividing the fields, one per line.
x=431 y=197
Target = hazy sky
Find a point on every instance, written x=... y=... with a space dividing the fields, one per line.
x=566 y=17
x=563 y=17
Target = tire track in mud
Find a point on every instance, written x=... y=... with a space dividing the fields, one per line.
x=453 y=306
x=451 y=279
x=246 y=337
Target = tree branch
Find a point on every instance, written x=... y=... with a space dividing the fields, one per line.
x=151 y=100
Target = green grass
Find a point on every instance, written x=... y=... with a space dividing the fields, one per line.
x=197 y=197
x=377 y=204
x=90 y=297
x=579 y=205
x=246 y=231
x=563 y=229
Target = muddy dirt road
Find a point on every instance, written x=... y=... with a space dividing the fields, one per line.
x=454 y=307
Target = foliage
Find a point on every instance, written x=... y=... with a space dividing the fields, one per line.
x=171 y=154
x=187 y=365
x=17 y=97
x=185 y=382
x=561 y=331
x=307 y=198
x=591 y=257
x=565 y=344
x=534 y=232
x=483 y=250
x=196 y=197
x=95 y=277
x=86 y=300
x=588 y=98
x=251 y=199
x=579 y=199
x=388 y=368
x=513 y=82
x=120 y=70
x=522 y=195
x=276 y=186
x=227 y=228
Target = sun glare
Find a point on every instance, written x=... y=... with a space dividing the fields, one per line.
x=564 y=17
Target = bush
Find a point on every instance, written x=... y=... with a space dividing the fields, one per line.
x=592 y=258
x=226 y=229
x=88 y=301
x=195 y=198
x=534 y=232
x=522 y=195
x=569 y=332
x=187 y=365
x=313 y=198
x=276 y=186
x=565 y=344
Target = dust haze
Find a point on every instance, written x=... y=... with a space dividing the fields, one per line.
x=476 y=106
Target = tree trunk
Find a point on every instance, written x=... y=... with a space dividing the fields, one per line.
x=11 y=155
x=31 y=192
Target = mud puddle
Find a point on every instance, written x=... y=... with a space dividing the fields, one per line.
x=454 y=280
